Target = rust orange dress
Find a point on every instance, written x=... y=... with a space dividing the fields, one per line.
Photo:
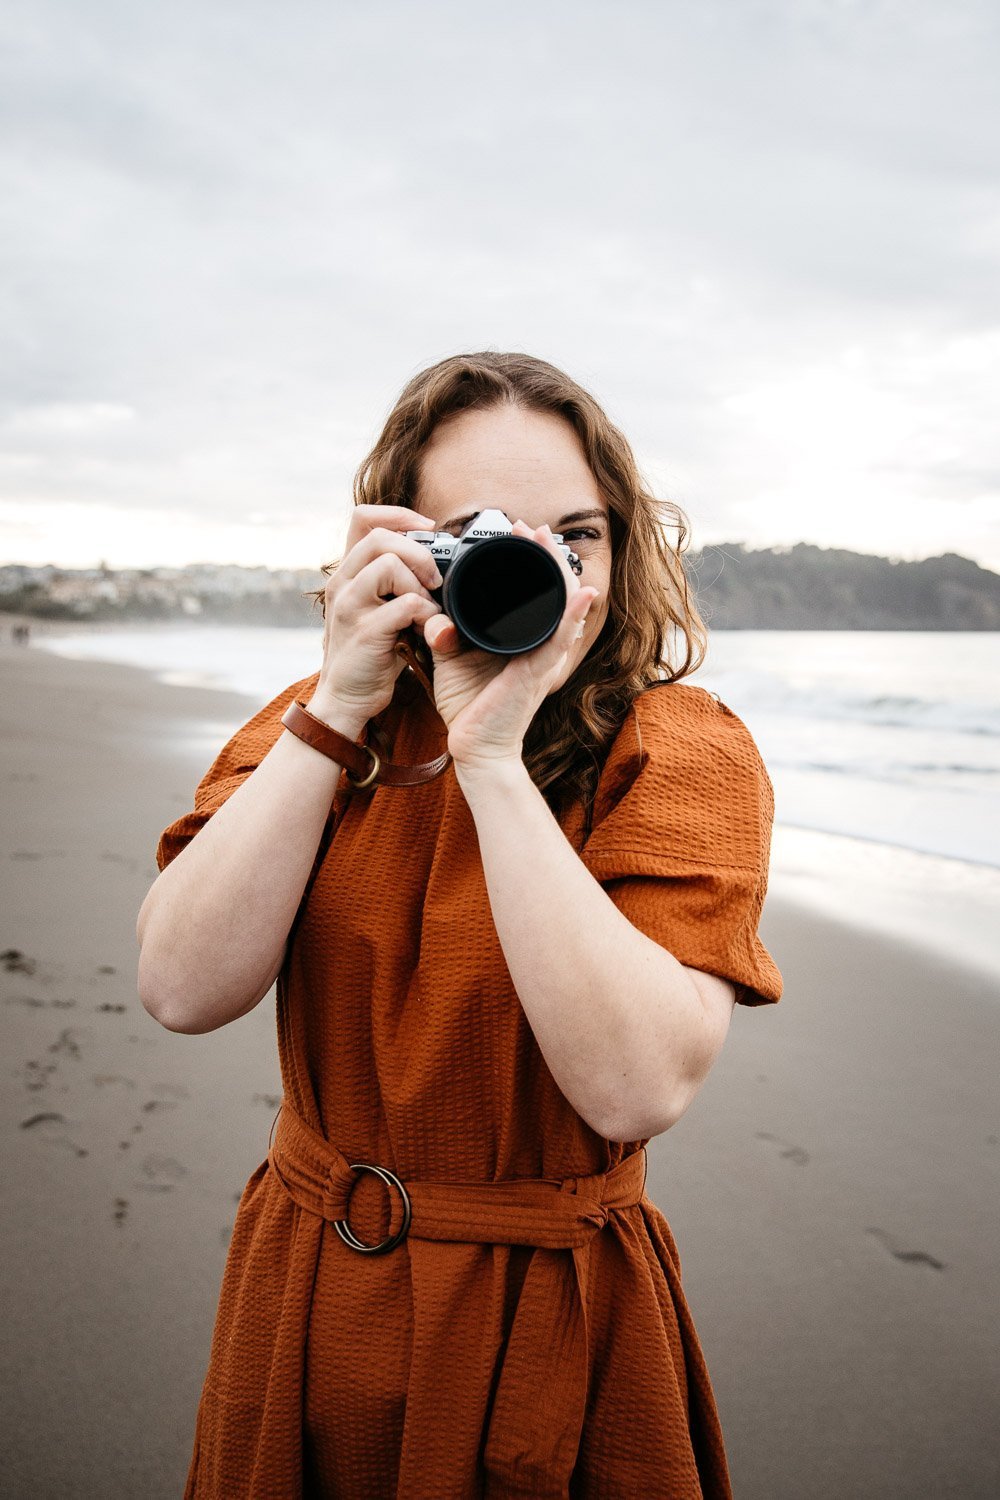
x=528 y=1335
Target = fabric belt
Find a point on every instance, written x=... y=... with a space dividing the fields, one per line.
x=550 y=1214
x=537 y=1413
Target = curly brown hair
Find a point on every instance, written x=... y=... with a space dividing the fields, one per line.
x=650 y=606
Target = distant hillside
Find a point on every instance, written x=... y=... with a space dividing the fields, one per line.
x=221 y=593
x=827 y=588
x=798 y=588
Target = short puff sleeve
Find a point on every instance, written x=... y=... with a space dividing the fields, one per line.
x=238 y=758
x=682 y=835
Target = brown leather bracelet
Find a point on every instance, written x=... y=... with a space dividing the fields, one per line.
x=363 y=766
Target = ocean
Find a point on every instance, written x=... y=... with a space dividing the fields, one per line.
x=883 y=748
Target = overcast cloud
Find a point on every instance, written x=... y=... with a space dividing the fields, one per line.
x=765 y=235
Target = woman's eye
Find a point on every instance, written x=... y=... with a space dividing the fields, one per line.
x=584 y=531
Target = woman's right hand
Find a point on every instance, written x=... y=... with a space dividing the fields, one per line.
x=362 y=623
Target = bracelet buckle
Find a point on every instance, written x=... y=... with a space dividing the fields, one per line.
x=376 y=767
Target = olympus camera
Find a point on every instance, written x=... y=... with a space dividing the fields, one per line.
x=504 y=593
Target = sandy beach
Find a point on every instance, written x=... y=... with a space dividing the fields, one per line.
x=833 y=1189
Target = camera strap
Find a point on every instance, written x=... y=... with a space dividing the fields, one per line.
x=364 y=766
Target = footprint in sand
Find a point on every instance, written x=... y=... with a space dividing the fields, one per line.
x=34 y=1002
x=16 y=962
x=161 y=1173
x=121 y=1210
x=176 y=1091
x=37 y=1074
x=271 y=1100
x=798 y=1154
x=909 y=1257
x=106 y=969
x=118 y=1010
x=68 y=1041
x=47 y=1126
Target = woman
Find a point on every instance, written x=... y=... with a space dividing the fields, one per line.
x=499 y=974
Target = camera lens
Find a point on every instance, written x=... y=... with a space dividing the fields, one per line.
x=505 y=595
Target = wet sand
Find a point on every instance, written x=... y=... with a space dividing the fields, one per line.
x=832 y=1189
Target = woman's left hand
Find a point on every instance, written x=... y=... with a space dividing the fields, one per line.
x=488 y=701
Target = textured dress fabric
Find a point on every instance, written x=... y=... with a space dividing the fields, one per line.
x=452 y=1368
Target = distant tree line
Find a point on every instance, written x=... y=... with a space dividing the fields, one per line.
x=827 y=588
x=281 y=606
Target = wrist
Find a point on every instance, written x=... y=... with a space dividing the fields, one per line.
x=346 y=720
x=499 y=773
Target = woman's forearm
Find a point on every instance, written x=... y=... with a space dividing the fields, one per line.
x=617 y=1018
x=214 y=925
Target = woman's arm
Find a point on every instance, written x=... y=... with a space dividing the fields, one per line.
x=213 y=929
x=214 y=925
x=628 y=1033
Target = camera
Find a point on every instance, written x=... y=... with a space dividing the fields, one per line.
x=505 y=594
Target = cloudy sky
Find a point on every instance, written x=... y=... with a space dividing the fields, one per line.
x=764 y=233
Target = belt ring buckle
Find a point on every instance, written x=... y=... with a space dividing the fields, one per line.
x=344 y=1229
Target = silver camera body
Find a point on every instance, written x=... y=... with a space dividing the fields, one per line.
x=445 y=548
x=506 y=594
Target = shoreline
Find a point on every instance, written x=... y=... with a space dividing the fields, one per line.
x=829 y=1189
x=867 y=882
